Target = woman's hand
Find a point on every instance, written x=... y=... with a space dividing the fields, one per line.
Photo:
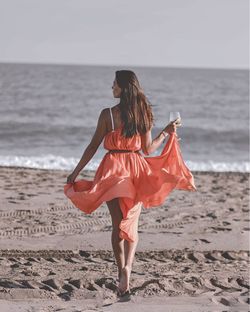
x=71 y=178
x=171 y=127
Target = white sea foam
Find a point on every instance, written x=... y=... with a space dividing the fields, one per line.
x=62 y=163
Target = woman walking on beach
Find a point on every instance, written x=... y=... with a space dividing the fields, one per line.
x=125 y=179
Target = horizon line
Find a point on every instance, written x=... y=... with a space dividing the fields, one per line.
x=120 y=65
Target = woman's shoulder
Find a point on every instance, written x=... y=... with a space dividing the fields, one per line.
x=114 y=109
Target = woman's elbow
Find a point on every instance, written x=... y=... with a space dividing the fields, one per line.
x=91 y=148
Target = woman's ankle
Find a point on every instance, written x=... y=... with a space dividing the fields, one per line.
x=128 y=266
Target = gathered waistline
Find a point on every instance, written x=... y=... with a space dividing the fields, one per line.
x=123 y=151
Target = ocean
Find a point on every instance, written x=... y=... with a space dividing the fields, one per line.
x=48 y=113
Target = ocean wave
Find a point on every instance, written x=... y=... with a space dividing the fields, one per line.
x=62 y=163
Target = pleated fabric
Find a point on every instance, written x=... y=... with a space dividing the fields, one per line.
x=132 y=178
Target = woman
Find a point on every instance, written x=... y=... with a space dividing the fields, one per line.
x=125 y=179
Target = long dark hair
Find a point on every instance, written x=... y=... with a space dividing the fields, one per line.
x=136 y=110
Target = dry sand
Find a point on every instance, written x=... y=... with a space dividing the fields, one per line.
x=193 y=252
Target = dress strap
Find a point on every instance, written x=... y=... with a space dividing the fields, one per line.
x=111 y=119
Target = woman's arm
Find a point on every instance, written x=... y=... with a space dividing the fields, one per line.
x=149 y=145
x=91 y=149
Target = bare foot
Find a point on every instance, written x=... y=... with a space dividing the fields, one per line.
x=124 y=280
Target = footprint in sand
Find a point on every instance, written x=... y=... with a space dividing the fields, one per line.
x=204 y=240
x=246 y=229
x=54 y=283
x=21 y=197
x=31 y=195
x=212 y=215
x=218 y=228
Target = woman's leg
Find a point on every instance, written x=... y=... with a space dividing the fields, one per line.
x=129 y=248
x=117 y=242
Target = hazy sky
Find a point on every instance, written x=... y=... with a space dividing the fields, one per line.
x=189 y=33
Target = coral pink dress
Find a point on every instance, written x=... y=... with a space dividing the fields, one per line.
x=132 y=178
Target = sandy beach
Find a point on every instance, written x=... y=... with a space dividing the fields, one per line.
x=192 y=255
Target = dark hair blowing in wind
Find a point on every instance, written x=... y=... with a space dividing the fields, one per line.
x=136 y=111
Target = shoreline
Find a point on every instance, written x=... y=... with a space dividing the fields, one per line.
x=88 y=170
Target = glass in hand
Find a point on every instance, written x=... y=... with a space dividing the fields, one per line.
x=175 y=116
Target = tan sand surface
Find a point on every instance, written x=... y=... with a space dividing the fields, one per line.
x=193 y=251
